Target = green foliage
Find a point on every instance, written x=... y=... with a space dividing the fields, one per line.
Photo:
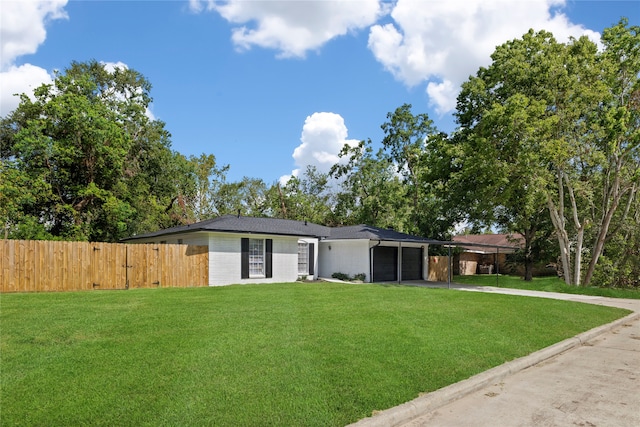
x=83 y=161
x=305 y=198
x=282 y=354
x=371 y=192
x=401 y=185
x=550 y=134
x=341 y=276
x=248 y=196
x=360 y=276
x=345 y=277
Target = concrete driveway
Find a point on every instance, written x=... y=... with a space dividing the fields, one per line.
x=592 y=379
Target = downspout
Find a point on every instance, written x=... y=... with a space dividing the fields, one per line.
x=427 y=275
x=371 y=261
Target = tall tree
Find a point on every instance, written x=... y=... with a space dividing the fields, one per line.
x=248 y=196
x=308 y=197
x=89 y=154
x=547 y=112
x=371 y=191
x=618 y=145
x=209 y=178
x=412 y=144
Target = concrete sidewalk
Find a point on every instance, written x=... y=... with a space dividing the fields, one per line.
x=592 y=379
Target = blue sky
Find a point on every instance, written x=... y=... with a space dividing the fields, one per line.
x=270 y=87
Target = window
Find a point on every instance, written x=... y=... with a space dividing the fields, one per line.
x=303 y=258
x=256 y=257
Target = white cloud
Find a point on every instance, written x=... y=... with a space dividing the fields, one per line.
x=443 y=95
x=22 y=26
x=292 y=27
x=22 y=30
x=17 y=80
x=443 y=42
x=323 y=136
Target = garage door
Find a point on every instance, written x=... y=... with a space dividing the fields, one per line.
x=385 y=264
x=411 y=263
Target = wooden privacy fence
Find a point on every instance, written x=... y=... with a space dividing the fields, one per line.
x=438 y=268
x=37 y=265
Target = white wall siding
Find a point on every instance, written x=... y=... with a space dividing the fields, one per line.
x=225 y=262
x=345 y=256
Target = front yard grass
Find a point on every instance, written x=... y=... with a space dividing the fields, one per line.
x=319 y=354
x=546 y=284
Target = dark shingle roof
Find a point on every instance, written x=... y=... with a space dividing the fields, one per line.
x=369 y=232
x=245 y=224
x=287 y=227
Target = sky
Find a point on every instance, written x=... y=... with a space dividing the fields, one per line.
x=270 y=87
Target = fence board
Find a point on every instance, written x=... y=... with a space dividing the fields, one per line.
x=438 y=268
x=37 y=266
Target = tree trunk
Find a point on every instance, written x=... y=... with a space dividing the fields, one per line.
x=558 y=220
x=580 y=235
x=578 y=258
x=604 y=225
x=528 y=269
x=528 y=258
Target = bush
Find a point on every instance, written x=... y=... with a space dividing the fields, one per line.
x=341 y=276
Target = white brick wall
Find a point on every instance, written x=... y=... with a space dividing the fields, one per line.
x=224 y=259
x=345 y=256
x=352 y=257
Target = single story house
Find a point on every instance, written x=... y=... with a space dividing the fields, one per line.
x=484 y=253
x=267 y=250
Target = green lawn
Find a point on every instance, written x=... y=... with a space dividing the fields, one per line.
x=547 y=284
x=299 y=354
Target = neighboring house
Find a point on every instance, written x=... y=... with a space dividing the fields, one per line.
x=267 y=250
x=484 y=253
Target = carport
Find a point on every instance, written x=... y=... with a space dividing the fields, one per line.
x=393 y=262
x=385 y=255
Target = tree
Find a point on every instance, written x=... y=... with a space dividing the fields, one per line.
x=248 y=196
x=550 y=115
x=371 y=191
x=412 y=143
x=209 y=178
x=618 y=115
x=493 y=182
x=303 y=198
x=95 y=166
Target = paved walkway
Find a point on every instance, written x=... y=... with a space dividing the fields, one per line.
x=592 y=379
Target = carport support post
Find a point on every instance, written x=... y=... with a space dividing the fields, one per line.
x=399 y=271
x=449 y=264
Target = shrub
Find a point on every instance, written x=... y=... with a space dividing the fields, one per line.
x=341 y=276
